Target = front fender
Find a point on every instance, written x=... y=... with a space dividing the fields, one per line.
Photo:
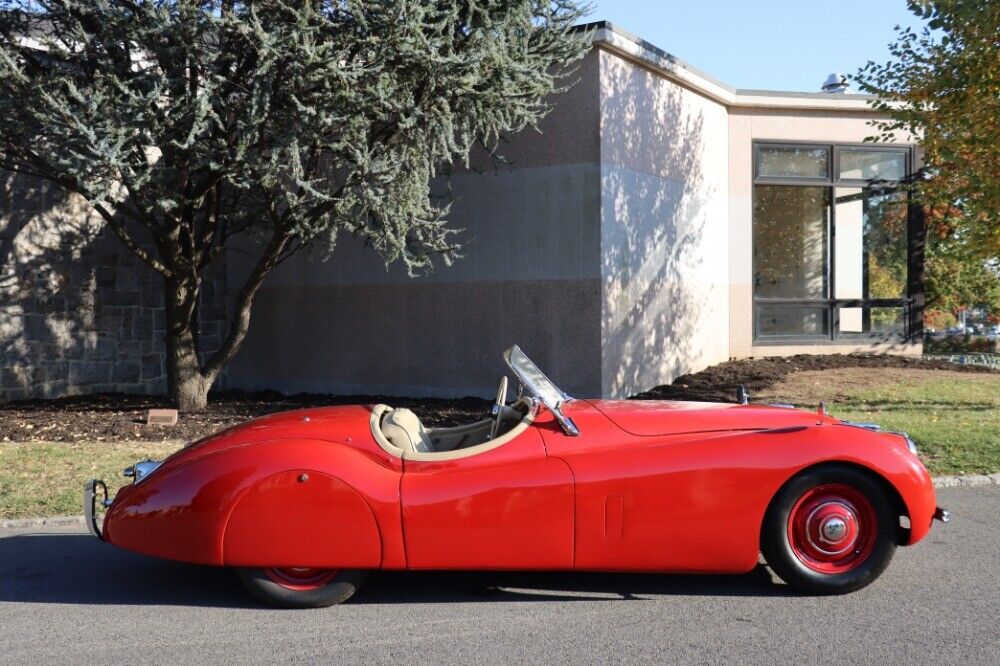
x=885 y=455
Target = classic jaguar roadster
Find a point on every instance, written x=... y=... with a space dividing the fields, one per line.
x=304 y=503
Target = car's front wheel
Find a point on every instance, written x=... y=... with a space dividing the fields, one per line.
x=302 y=587
x=830 y=530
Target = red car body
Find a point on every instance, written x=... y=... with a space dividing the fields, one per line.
x=644 y=486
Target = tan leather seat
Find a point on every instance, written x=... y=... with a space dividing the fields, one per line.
x=405 y=431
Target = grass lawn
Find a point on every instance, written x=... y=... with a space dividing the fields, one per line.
x=953 y=417
x=46 y=479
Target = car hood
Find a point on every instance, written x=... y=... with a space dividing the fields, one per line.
x=670 y=417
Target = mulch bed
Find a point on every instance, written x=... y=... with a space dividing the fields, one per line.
x=720 y=382
x=116 y=417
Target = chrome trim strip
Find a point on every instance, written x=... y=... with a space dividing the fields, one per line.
x=874 y=427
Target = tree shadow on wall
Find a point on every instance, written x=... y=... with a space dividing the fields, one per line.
x=665 y=249
x=78 y=313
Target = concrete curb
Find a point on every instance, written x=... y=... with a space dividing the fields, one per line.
x=968 y=481
x=54 y=521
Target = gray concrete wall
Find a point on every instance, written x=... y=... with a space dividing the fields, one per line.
x=529 y=275
x=664 y=232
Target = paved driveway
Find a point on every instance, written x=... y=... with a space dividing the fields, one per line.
x=65 y=597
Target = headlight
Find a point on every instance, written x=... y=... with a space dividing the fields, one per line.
x=141 y=470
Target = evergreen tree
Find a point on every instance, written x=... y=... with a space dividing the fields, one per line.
x=184 y=123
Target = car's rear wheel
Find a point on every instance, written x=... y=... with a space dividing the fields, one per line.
x=830 y=530
x=302 y=587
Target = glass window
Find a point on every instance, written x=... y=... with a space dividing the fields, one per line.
x=831 y=251
x=872 y=321
x=792 y=321
x=790 y=241
x=861 y=164
x=870 y=246
x=793 y=162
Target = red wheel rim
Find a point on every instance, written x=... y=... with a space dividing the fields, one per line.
x=832 y=528
x=301 y=579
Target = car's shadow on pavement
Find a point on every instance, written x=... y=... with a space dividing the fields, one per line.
x=78 y=569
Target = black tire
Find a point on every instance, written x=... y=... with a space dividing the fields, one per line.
x=791 y=568
x=338 y=590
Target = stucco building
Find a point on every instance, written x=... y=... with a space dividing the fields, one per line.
x=661 y=222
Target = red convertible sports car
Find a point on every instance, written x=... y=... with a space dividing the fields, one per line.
x=304 y=503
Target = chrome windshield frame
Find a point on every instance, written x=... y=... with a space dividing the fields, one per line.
x=540 y=387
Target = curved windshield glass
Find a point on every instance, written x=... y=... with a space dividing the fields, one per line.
x=537 y=385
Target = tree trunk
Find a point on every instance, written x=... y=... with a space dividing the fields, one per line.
x=190 y=391
x=188 y=381
x=187 y=386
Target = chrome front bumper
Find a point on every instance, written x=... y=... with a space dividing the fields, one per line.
x=93 y=492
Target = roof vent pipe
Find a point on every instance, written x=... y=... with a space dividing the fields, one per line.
x=836 y=83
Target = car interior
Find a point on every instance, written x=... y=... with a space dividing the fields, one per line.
x=400 y=431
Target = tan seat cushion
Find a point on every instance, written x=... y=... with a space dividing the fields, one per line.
x=405 y=431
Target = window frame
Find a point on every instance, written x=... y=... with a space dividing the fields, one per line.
x=793 y=180
x=911 y=326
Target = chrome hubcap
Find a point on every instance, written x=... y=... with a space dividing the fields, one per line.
x=833 y=530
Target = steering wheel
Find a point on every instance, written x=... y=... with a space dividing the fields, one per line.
x=496 y=412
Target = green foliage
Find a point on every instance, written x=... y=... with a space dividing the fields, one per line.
x=956 y=277
x=960 y=344
x=942 y=85
x=186 y=122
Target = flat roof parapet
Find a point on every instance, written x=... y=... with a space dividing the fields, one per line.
x=609 y=36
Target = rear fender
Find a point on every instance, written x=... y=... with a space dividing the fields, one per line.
x=184 y=513
x=302 y=518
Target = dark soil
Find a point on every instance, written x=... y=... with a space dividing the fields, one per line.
x=720 y=382
x=115 y=417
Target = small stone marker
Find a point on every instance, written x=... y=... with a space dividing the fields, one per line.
x=163 y=417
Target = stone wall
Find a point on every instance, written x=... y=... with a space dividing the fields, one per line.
x=78 y=312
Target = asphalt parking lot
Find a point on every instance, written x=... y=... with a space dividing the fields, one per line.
x=66 y=597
